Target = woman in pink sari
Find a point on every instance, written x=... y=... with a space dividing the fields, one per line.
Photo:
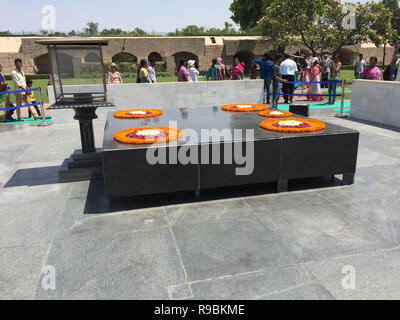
x=238 y=70
x=315 y=76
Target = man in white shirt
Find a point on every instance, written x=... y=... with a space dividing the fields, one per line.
x=193 y=73
x=359 y=67
x=19 y=80
x=152 y=71
x=289 y=71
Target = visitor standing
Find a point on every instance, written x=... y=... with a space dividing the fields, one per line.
x=114 y=77
x=397 y=57
x=5 y=101
x=32 y=98
x=359 y=67
x=266 y=64
x=183 y=74
x=288 y=71
x=390 y=73
x=223 y=69
x=214 y=72
x=277 y=80
x=143 y=74
x=335 y=68
x=152 y=71
x=325 y=71
x=238 y=70
x=19 y=80
x=193 y=72
x=253 y=71
x=314 y=91
x=372 y=71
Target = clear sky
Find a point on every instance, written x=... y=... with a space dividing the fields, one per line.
x=158 y=15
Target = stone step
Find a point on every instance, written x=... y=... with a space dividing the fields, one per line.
x=84 y=163
x=67 y=174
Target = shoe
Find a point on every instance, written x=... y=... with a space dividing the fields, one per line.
x=21 y=120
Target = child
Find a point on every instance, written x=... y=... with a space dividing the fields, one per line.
x=32 y=98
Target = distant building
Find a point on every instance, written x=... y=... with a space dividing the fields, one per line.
x=168 y=49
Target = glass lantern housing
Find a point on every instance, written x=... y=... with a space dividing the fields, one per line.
x=77 y=69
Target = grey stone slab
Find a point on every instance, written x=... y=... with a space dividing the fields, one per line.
x=76 y=223
x=25 y=191
x=263 y=284
x=180 y=292
x=284 y=201
x=20 y=270
x=309 y=291
x=376 y=275
x=214 y=248
x=213 y=210
x=382 y=214
x=141 y=265
x=30 y=223
x=324 y=231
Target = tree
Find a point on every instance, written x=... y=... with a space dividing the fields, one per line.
x=92 y=28
x=72 y=33
x=140 y=32
x=382 y=32
x=393 y=5
x=247 y=13
x=319 y=24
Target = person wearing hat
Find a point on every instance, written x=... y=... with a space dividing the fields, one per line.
x=193 y=72
x=114 y=77
x=151 y=69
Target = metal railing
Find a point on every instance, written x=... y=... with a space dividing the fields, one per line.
x=40 y=103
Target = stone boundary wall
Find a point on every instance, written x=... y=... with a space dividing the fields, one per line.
x=376 y=101
x=170 y=95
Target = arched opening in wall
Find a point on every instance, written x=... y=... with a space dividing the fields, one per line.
x=185 y=56
x=42 y=63
x=346 y=56
x=124 y=57
x=247 y=57
x=155 y=56
x=92 y=57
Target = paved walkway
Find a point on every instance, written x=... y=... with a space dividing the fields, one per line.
x=229 y=244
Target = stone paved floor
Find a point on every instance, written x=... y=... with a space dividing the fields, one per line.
x=228 y=244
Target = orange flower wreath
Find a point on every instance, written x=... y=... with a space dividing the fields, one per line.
x=245 y=107
x=138 y=113
x=293 y=125
x=147 y=135
x=275 y=114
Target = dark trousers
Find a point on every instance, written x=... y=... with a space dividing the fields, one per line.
x=288 y=88
x=37 y=110
x=325 y=77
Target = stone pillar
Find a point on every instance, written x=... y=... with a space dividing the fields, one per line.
x=170 y=61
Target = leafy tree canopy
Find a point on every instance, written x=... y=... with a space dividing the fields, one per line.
x=321 y=25
x=247 y=13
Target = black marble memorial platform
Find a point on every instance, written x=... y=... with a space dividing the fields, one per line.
x=278 y=157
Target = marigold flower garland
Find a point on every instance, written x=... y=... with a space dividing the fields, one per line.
x=138 y=113
x=147 y=135
x=275 y=114
x=245 y=107
x=293 y=125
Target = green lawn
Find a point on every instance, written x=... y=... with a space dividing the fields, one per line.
x=347 y=75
